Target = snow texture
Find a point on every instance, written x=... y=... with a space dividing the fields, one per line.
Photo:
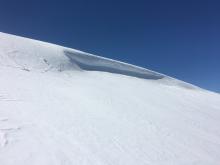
x=61 y=106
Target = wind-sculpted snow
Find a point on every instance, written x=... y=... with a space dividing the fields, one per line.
x=33 y=55
x=95 y=63
x=60 y=106
x=30 y=55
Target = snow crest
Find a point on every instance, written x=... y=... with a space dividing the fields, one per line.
x=33 y=55
x=29 y=54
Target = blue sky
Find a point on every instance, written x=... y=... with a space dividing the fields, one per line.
x=180 y=38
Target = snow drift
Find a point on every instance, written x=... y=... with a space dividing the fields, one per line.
x=63 y=106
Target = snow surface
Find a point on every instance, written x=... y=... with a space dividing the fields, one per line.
x=60 y=106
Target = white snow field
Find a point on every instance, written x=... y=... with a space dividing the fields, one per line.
x=60 y=106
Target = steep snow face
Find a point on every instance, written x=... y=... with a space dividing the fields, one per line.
x=62 y=106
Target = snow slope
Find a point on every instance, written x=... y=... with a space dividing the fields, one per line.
x=60 y=106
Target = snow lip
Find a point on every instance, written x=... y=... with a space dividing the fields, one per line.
x=96 y=63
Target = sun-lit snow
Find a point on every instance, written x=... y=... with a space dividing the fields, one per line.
x=60 y=106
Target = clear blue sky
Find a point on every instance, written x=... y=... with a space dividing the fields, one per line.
x=180 y=38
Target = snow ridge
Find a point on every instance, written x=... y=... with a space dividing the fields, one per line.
x=36 y=58
x=28 y=54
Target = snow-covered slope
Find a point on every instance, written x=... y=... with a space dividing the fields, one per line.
x=60 y=106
